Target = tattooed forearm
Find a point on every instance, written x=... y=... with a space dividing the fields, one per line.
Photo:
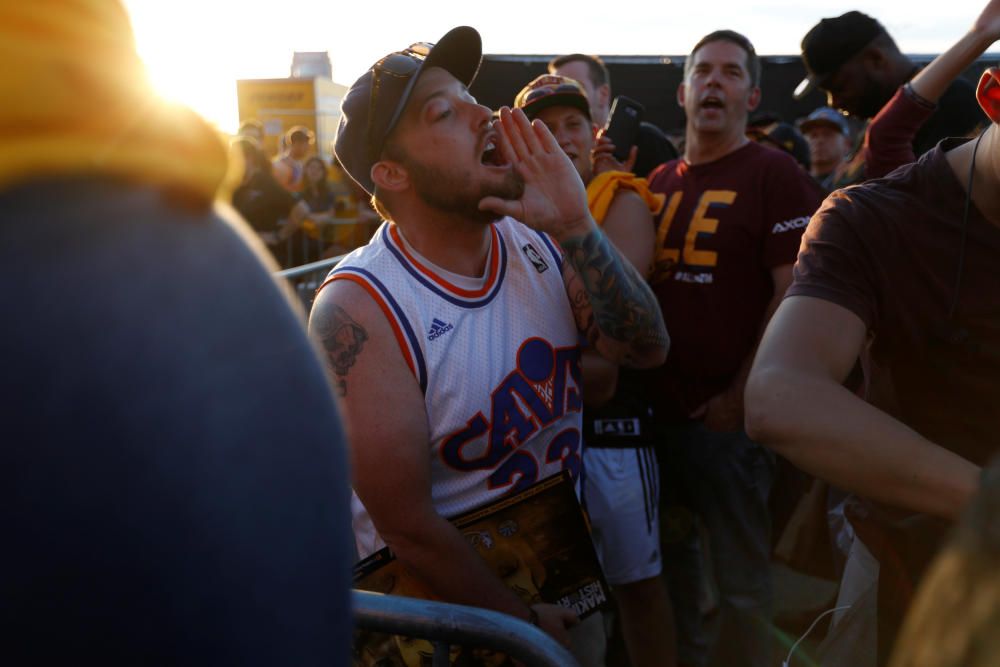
x=622 y=308
x=342 y=338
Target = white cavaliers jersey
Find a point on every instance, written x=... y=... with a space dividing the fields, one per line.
x=498 y=366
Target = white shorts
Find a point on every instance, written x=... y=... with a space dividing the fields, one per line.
x=621 y=490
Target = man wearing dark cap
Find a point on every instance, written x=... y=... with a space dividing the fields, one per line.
x=829 y=139
x=784 y=137
x=453 y=335
x=860 y=67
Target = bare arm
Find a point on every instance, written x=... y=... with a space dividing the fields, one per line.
x=613 y=306
x=932 y=81
x=889 y=137
x=796 y=405
x=611 y=302
x=629 y=226
x=389 y=450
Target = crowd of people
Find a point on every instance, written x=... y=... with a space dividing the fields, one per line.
x=301 y=207
x=723 y=348
x=685 y=333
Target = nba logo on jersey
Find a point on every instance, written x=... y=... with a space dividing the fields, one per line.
x=534 y=257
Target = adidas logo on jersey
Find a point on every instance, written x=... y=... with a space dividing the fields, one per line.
x=438 y=329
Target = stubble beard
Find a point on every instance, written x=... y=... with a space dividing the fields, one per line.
x=454 y=194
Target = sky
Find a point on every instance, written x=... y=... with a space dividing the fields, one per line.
x=195 y=50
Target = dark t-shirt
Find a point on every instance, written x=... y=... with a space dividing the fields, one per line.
x=263 y=202
x=174 y=486
x=655 y=148
x=725 y=226
x=888 y=251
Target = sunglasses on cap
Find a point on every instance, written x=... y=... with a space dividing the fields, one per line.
x=401 y=65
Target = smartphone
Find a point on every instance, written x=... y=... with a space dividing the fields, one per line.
x=623 y=125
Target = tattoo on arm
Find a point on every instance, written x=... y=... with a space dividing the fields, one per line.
x=343 y=340
x=624 y=309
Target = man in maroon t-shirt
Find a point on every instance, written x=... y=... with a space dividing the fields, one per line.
x=726 y=244
x=904 y=271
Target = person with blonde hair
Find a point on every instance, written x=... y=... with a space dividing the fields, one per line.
x=954 y=618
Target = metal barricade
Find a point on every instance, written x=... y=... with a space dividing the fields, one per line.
x=306 y=279
x=447 y=624
x=313 y=238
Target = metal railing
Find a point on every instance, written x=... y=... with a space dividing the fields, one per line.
x=447 y=624
x=299 y=272
x=306 y=279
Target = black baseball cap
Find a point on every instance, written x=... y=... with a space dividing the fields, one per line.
x=786 y=138
x=374 y=104
x=831 y=43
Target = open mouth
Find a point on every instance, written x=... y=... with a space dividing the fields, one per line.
x=712 y=103
x=491 y=155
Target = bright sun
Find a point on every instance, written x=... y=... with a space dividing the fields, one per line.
x=194 y=53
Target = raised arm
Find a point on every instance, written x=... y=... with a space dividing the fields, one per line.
x=797 y=405
x=889 y=137
x=932 y=81
x=388 y=438
x=612 y=304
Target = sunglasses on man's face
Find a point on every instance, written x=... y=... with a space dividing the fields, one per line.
x=401 y=64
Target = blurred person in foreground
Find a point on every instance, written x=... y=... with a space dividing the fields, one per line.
x=900 y=272
x=726 y=243
x=622 y=487
x=463 y=320
x=174 y=478
x=956 y=611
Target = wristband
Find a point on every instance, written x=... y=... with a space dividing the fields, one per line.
x=918 y=98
